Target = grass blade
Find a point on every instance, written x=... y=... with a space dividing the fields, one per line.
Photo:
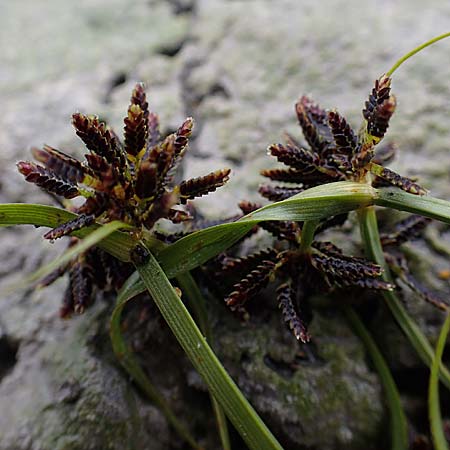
x=437 y=432
x=371 y=239
x=131 y=365
x=197 y=302
x=238 y=410
x=117 y=243
x=399 y=425
x=313 y=204
x=84 y=244
x=423 y=205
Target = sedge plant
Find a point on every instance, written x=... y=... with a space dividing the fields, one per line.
x=129 y=187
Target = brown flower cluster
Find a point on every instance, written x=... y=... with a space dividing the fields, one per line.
x=130 y=180
x=334 y=152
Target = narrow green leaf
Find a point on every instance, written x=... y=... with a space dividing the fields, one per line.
x=238 y=410
x=190 y=290
x=129 y=362
x=437 y=432
x=84 y=244
x=423 y=205
x=313 y=204
x=371 y=238
x=89 y=241
x=399 y=425
x=117 y=243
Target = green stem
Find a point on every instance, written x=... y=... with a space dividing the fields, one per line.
x=437 y=432
x=197 y=301
x=371 y=238
x=399 y=426
x=308 y=230
x=131 y=365
x=413 y=52
x=241 y=414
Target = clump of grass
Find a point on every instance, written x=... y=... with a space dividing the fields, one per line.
x=129 y=185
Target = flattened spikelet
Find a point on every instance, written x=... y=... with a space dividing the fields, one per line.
x=47 y=180
x=249 y=286
x=397 y=180
x=344 y=138
x=146 y=184
x=65 y=229
x=234 y=266
x=97 y=137
x=346 y=271
x=313 y=121
x=286 y=300
x=277 y=193
x=196 y=187
x=284 y=230
x=135 y=131
x=63 y=165
x=295 y=157
x=81 y=278
x=379 y=108
x=405 y=230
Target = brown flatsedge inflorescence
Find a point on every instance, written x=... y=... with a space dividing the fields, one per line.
x=334 y=152
x=130 y=180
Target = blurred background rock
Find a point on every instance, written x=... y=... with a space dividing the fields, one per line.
x=237 y=67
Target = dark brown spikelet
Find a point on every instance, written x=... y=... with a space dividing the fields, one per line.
x=296 y=157
x=284 y=230
x=277 y=193
x=53 y=276
x=47 y=179
x=97 y=137
x=65 y=229
x=65 y=166
x=405 y=230
x=81 y=280
x=344 y=271
x=399 y=267
x=196 y=187
x=286 y=301
x=344 y=137
x=236 y=266
x=313 y=121
x=164 y=159
x=379 y=108
x=146 y=183
x=136 y=130
x=250 y=285
x=310 y=179
x=159 y=209
x=182 y=137
x=397 y=180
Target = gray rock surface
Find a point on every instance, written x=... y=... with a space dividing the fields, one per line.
x=238 y=68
